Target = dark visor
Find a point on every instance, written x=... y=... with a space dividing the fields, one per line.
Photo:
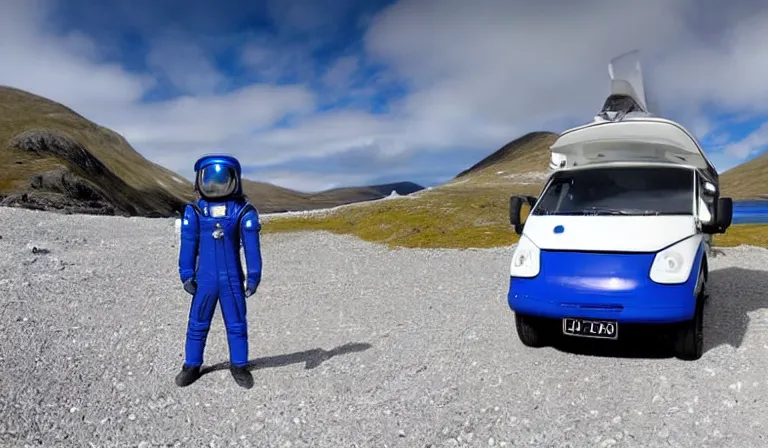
x=216 y=181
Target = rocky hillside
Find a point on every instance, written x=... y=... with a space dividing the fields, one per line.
x=52 y=158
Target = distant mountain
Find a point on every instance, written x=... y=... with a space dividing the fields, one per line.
x=269 y=198
x=52 y=158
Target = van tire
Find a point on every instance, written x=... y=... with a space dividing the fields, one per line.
x=529 y=330
x=689 y=340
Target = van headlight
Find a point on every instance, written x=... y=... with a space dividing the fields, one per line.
x=525 y=259
x=673 y=264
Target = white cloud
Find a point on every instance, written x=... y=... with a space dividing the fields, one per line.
x=750 y=145
x=271 y=60
x=212 y=118
x=63 y=70
x=340 y=73
x=509 y=66
x=481 y=73
x=301 y=15
x=185 y=65
x=318 y=20
x=170 y=132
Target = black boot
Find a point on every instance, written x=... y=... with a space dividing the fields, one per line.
x=242 y=376
x=187 y=376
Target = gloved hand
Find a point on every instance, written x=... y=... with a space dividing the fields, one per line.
x=253 y=283
x=190 y=286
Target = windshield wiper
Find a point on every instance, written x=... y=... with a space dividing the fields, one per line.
x=641 y=212
x=606 y=211
x=603 y=211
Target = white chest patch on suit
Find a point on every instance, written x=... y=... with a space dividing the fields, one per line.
x=248 y=224
x=217 y=211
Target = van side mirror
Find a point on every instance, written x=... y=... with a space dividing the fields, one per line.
x=518 y=213
x=724 y=214
x=723 y=217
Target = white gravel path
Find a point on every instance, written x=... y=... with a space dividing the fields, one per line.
x=355 y=345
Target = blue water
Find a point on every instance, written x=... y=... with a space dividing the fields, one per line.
x=750 y=212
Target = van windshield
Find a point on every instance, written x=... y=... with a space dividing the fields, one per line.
x=619 y=191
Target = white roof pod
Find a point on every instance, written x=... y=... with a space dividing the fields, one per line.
x=625 y=130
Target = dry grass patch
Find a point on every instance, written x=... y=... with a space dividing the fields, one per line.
x=461 y=218
x=750 y=234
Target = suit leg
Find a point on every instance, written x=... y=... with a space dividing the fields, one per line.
x=234 y=312
x=200 y=315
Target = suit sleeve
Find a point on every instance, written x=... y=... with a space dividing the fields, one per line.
x=250 y=227
x=190 y=237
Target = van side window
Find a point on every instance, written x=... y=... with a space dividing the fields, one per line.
x=706 y=200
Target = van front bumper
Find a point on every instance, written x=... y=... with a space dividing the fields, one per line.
x=603 y=286
x=661 y=309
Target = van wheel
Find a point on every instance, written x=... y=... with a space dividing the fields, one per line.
x=689 y=341
x=529 y=330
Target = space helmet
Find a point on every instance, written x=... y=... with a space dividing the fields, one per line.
x=218 y=177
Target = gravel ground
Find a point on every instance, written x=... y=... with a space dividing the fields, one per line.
x=354 y=345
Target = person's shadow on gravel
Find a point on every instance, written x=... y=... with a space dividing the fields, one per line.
x=310 y=358
x=733 y=294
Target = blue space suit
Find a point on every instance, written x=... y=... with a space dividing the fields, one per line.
x=213 y=229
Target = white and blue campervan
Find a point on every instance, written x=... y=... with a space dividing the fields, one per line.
x=621 y=231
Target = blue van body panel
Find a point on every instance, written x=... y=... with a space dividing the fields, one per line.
x=614 y=286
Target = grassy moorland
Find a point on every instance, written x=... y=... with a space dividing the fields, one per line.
x=471 y=211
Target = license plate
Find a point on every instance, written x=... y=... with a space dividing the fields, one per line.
x=591 y=328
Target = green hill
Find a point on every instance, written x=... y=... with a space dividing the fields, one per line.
x=748 y=180
x=470 y=210
x=52 y=158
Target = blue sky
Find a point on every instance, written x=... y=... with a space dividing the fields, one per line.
x=313 y=95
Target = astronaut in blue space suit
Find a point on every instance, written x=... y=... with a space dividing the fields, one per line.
x=212 y=231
